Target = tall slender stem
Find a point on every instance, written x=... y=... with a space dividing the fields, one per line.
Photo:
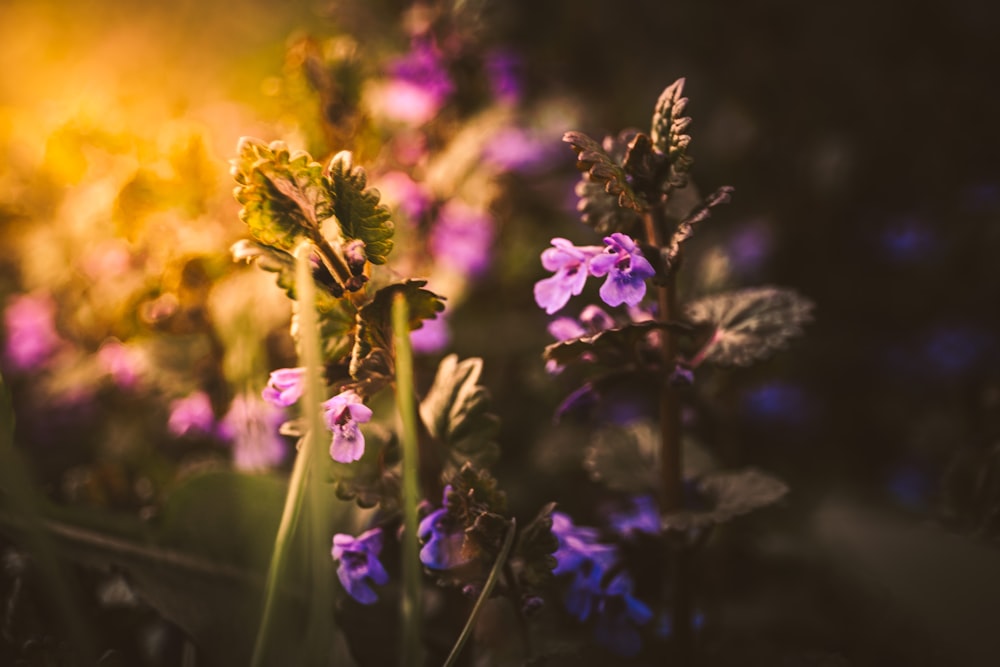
x=411 y=649
x=671 y=478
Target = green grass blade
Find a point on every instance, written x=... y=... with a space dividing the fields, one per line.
x=411 y=650
x=491 y=581
x=305 y=487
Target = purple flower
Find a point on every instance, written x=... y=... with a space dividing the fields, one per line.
x=618 y=613
x=503 y=72
x=462 y=238
x=358 y=565
x=577 y=545
x=252 y=426
x=285 y=386
x=343 y=413
x=571 y=265
x=411 y=199
x=642 y=516
x=191 y=415
x=419 y=85
x=517 y=149
x=626 y=268
x=122 y=363
x=442 y=541
x=31 y=332
x=432 y=337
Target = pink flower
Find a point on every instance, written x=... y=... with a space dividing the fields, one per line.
x=192 y=414
x=344 y=413
x=285 y=386
x=31 y=332
x=252 y=426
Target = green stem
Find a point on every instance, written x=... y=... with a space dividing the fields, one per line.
x=307 y=468
x=320 y=612
x=484 y=595
x=411 y=649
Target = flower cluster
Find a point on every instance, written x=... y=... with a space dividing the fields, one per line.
x=621 y=261
x=600 y=590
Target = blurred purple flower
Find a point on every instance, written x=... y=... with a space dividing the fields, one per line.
x=779 y=402
x=31 y=333
x=618 y=613
x=503 y=72
x=910 y=486
x=123 y=363
x=192 y=415
x=748 y=247
x=577 y=545
x=251 y=425
x=442 y=541
x=566 y=328
x=626 y=269
x=358 y=565
x=615 y=610
x=955 y=349
x=432 y=337
x=908 y=240
x=462 y=238
x=285 y=386
x=641 y=516
x=518 y=149
x=408 y=196
x=571 y=265
x=418 y=86
x=344 y=413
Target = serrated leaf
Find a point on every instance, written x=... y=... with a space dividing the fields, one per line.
x=604 y=170
x=533 y=554
x=623 y=457
x=371 y=360
x=283 y=194
x=748 y=325
x=358 y=209
x=610 y=347
x=727 y=495
x=668 y=128
x=601 y=211
x=282 y=264
x=686 y=227
x=458 y=413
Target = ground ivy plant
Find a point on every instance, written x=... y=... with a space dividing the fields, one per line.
x=422 y=460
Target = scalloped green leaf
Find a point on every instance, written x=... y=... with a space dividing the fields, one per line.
x=371 y=358
x=749 y=325
x=623 y=457
x=609 y=347
x=600 y=167
x=728 y=495
x=283 y=194
x=457 y=412
x=358 y=209
x=668 y=128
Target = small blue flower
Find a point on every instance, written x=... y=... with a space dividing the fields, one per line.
x=571 y=265
x=442 y=541
x=343 y=414
x=618 y=613
x=358 y=565
x=626 y=270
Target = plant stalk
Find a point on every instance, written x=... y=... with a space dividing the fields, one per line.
x=411 y=650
